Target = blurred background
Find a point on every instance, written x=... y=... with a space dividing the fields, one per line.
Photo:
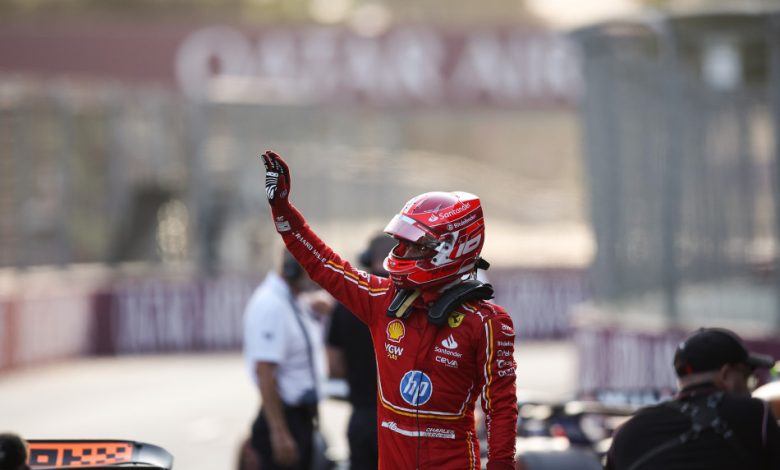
x=625 y=152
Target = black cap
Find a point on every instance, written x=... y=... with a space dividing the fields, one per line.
x=378 y=249
x=711 y=348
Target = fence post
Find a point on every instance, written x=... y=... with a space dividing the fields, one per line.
x=598 y=111
x=22 y=181
x=198 y=119
x=670 y=205
x=66 y=115
x=773 y=42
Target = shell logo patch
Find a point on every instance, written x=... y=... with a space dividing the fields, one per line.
x=416 y=387
x=396 y=331
x=455 y=319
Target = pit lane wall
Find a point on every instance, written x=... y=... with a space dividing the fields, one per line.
x=51 y=315
x=154 y=316
x=46 y=314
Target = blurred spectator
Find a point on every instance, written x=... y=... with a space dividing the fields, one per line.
x=712 y=423
x=13 y=452
x=351 y=356
x=284 y=352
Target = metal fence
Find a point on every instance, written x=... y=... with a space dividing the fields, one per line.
x=681 y=120
x=79 y=162
x=94 y=173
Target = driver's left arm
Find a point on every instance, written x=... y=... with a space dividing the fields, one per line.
x=499 y=400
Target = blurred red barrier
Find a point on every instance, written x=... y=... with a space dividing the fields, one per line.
x=626 y=365
x=539 y=299
x=7 y=338
x=144 y=316
x=66 y=313
x=46 y=315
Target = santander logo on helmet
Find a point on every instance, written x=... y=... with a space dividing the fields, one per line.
x=449 y=228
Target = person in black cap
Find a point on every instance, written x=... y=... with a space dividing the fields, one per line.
x=712 y=423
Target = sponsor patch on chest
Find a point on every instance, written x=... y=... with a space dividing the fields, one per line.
x=396 y=331
x=447 y=361
x=446 y=352
x=393 y=351
x=416 y=387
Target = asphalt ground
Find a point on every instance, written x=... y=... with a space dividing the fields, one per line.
x=197 y=406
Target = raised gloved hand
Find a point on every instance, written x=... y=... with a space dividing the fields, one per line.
x=277 y=179
x=277 y=189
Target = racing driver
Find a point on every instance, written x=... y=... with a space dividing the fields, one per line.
x=440 y=345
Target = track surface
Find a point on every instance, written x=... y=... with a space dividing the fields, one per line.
x=198 y=407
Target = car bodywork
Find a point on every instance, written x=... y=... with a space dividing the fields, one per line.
x=96 y=454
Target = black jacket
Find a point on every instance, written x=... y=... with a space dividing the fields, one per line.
x=755 y=443
x=352 y=336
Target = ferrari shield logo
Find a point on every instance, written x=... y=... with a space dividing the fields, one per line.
x=455 y=319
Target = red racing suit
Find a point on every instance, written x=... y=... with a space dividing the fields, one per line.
x=429 y=377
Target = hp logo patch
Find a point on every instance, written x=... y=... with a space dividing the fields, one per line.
x=416 y=387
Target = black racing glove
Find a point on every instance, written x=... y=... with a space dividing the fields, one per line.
x=277 y=179
x=277 y=189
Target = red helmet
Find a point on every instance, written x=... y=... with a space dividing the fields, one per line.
x=440 y=236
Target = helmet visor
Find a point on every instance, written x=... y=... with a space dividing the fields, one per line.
x=406 y=228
